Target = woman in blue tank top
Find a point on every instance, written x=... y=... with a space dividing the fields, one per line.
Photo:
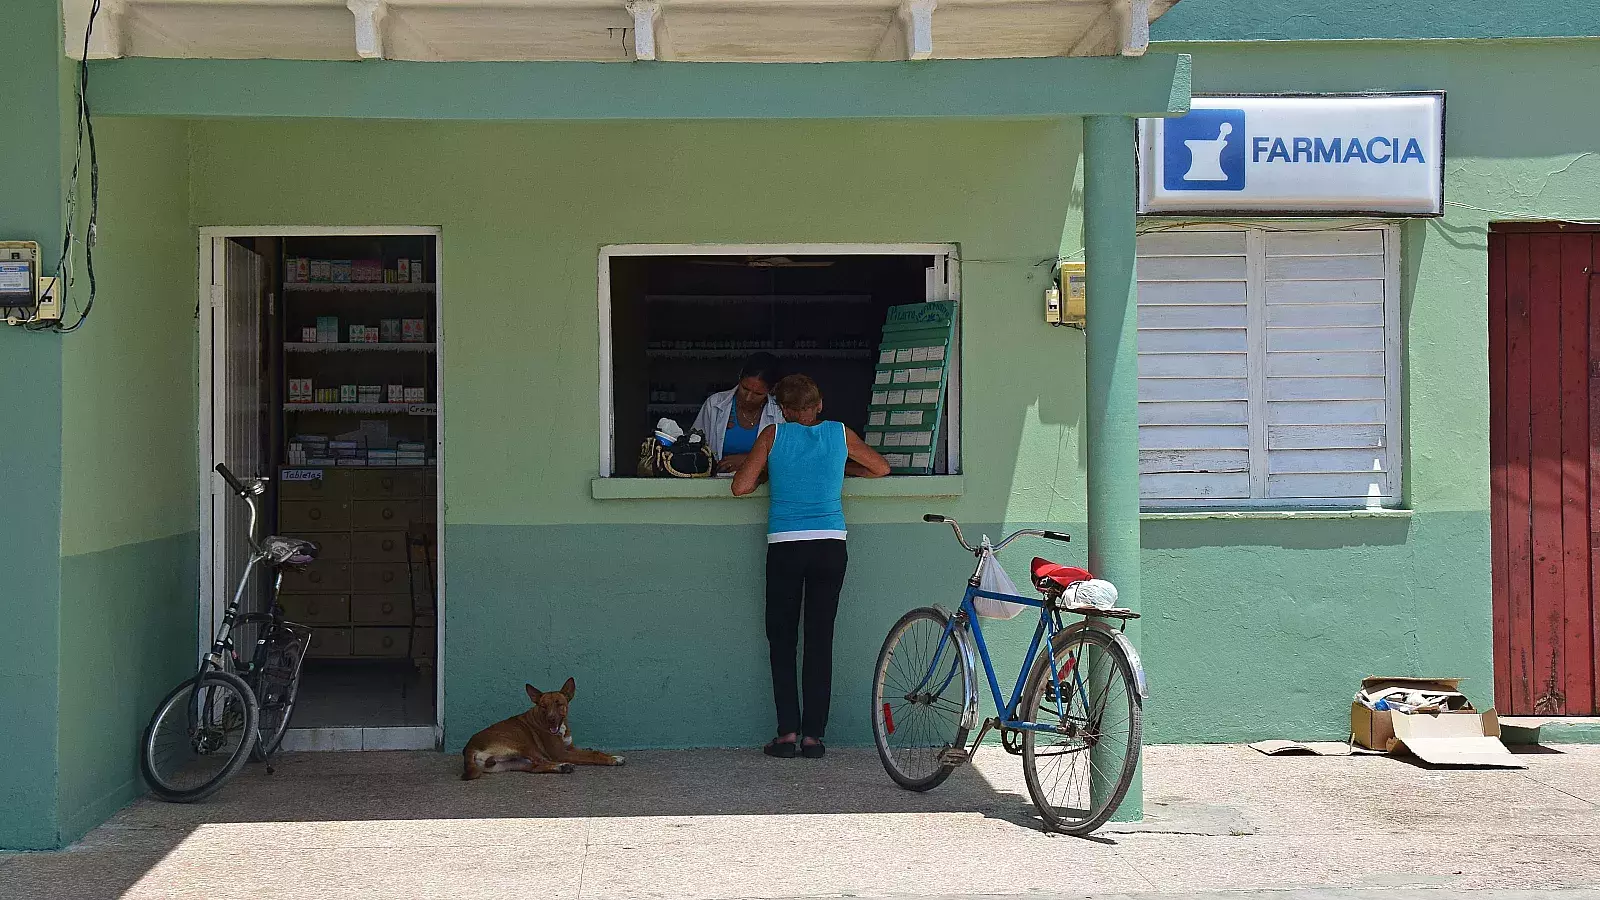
x=806 y=460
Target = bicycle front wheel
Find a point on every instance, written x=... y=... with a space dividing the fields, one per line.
x=919 y=700
x=199 y=737
x=1081 y=761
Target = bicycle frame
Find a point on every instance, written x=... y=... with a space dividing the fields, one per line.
x=1045 y=632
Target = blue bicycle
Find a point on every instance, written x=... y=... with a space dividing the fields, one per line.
x=1074 y=715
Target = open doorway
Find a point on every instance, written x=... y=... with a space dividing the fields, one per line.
x=320 y=370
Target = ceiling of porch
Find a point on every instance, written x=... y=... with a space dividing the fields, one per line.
x=612 y=30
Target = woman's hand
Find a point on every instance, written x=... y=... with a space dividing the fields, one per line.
x=730 y=463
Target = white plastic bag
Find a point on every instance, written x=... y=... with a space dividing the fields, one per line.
x=993 y=578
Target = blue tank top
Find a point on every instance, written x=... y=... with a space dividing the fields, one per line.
x=736 y=439
x=806 y=467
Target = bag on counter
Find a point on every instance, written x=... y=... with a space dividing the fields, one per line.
x=664 y=455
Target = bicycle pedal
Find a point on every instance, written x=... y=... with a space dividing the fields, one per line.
x=952 y=756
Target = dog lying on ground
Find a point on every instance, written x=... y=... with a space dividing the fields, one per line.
x=536 y=741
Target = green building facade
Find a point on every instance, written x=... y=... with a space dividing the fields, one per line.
x=1258 y=623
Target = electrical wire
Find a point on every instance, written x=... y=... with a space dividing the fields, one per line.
x=85 y=127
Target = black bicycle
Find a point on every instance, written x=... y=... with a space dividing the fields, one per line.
x=236 y=706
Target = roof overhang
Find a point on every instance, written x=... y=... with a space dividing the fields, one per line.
x=612 y=30
x=1153 y=85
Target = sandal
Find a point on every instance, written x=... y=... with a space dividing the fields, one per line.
x=780 y=749
x=813 y=750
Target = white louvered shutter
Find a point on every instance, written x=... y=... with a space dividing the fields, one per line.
x=1268 y=368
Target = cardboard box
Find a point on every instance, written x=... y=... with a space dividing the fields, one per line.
x=397 y=393
x=389 y=331
x=308 y=334
x=370 y=334
x=366 y=271
x=416 y=395
x=414 y=331
x=340 y=270
x=319 y=270
x=1460 y=737
x=416 y=272
x=327 y=329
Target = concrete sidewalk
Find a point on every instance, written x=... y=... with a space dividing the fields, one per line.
x=734 y=824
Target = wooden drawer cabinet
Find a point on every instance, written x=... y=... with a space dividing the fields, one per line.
x=380 y=578
x=322 y=576
x=333 y=485
x=314 y=515
x=379 y=641
x=331 y=546
x=316 y=609
x=380 y=546
x=365 y=596
x=380 y=609
x=403 y=484
x=386 y=515
x=326 y=642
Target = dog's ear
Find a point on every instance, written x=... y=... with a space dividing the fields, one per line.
x=570 y=688
x=533 y=693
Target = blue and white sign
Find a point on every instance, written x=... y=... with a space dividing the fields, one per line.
x=1368 y=154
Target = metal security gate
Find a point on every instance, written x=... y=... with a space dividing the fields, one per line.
x=1544 y=427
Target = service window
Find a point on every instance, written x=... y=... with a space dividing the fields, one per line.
x=677 y=328
x=1269 y=367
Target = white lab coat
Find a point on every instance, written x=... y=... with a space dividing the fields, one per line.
x=713 y=418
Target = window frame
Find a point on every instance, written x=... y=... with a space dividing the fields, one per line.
x=948 y=254
x=1256 y=347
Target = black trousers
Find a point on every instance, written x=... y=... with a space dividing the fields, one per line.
x=803 y=576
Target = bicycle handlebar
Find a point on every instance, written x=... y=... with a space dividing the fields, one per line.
x=1034 y=532
x=236 y=484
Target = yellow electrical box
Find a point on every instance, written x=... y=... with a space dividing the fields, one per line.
x=1065 y=301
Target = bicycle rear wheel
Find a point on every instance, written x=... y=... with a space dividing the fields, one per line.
x=274 y=676
x=199 y=737
x=919 y=699
x=1100 y=712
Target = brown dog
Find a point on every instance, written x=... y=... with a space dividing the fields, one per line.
x=536 y=741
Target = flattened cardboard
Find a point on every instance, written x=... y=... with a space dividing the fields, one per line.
x=1311 y=748
x=1454 y=739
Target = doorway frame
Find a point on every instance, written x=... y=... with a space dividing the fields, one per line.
x=948 y=253
x=206 y=414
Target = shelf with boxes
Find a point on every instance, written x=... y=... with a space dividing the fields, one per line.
x=362 y=347
x=364 y=447
x=311 y=274
x=371 y=591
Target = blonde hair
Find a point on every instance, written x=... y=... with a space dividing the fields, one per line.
x=797 y=392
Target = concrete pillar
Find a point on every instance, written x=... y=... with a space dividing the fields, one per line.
x=1113 y=373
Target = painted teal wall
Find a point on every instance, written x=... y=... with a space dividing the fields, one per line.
x=1298 y=20
x=1304 y=609
x=30 y=430
x=128 y=513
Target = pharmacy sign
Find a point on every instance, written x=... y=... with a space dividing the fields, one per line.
x=1370 y=154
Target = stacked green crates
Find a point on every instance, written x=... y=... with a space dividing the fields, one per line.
x=908 y=391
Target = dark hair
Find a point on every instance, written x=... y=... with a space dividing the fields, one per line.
x=764 y=366
x=797 y=392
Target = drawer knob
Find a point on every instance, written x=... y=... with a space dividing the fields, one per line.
x=388 y=642
x=315 y=513
x=388 y=483
x=388 y=544
x=314 y=577
x=388 y=513
x=388 y=577
x=387 y=608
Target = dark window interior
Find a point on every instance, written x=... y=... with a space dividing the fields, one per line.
x=682 y=325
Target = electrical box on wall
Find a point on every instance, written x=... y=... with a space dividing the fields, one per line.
x=1065 y=299
x=25 y=295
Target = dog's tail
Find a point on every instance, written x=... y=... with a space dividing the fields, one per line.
x=470 y=767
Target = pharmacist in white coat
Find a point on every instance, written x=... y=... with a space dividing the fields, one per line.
x=732 y=419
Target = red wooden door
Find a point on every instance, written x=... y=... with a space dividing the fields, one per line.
x=1544 y=427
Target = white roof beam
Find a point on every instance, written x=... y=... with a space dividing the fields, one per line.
x=910 y=32
x=1124 y=27
x=649 y=29
x=1135 y=26
x=110 y=37
x=369 y=26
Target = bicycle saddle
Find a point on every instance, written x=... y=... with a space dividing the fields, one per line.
x=289 y=552
x=1054 y=577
